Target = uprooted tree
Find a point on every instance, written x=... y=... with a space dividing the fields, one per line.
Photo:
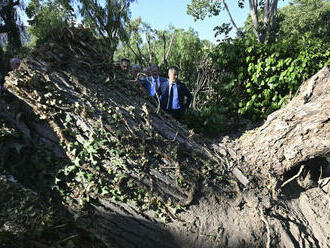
x=144 y=180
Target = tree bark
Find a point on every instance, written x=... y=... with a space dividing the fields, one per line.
x=163 y=185
x=294 y=134
x=269 y=14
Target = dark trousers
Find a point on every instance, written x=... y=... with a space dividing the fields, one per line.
x=176 y=113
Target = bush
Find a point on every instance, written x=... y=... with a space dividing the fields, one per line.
x=255 y=80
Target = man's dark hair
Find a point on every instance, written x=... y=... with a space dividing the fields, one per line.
x=124 y=60
x=174 y=68
x=153 y=66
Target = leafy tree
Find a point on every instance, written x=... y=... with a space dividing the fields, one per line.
x=253 y=79
x=305 y=17
x=136 y=47
x=262 y=12
x=107 y=21
x=187 y=51
x=46 y=17
x=165 y=47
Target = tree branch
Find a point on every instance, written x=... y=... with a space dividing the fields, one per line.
x=170 y=46
x=230 y=16
x=148 y=47
x=164 y=49
x=254 y=16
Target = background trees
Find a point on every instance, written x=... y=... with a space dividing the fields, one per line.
x=254 y=78
x=105 y=19
x=165 y=47
x=308 y=18
x=263 y=15
x=46 y=17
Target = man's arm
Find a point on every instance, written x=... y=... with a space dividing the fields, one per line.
x=188 y=95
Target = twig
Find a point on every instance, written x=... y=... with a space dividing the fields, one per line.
x=319 y=182
x=176 y=135
x=68 y=238
x=148 y=47
x=320 y=177
x=164 y=50
x=294 y=177
x=267 y=228
x=230 y=16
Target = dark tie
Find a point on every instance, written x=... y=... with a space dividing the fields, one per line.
x=169 y=105
x=156 y=86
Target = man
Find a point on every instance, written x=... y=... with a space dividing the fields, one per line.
x=146 y=71
x=124 y=64
x=122 y=72
x=153 y=83
x=135 y=70
x=15 y=63
x=175 y=97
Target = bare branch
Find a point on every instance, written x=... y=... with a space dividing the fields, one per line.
x=164 y=49
x=230 y=16
x=148 y=47
x=142 y=59
x=170 y=46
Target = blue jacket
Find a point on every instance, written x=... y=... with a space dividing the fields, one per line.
x=146 y=83
x=183 y=93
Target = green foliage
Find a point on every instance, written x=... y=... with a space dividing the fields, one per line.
x=258 y=78
x=165 y=48
x=107 y=20
x=30 y=214
x=210 y=119
x=48 y=16
x=253 y=80
x=199 y=9
x=187 y=51
x=305 y=17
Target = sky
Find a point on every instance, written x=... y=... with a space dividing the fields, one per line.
x=159 y=14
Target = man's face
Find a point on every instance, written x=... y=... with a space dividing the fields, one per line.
x=154 y=72
x=135 y=72
x=146 y=71
x=124 y=65
x=173 y=76
x=15 y=64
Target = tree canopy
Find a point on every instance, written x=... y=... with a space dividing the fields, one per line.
x=308 y=18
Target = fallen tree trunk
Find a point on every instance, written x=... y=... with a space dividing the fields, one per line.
x=294 y=134
x=146 y=181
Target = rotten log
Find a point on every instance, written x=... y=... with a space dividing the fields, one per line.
x=145 y=179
